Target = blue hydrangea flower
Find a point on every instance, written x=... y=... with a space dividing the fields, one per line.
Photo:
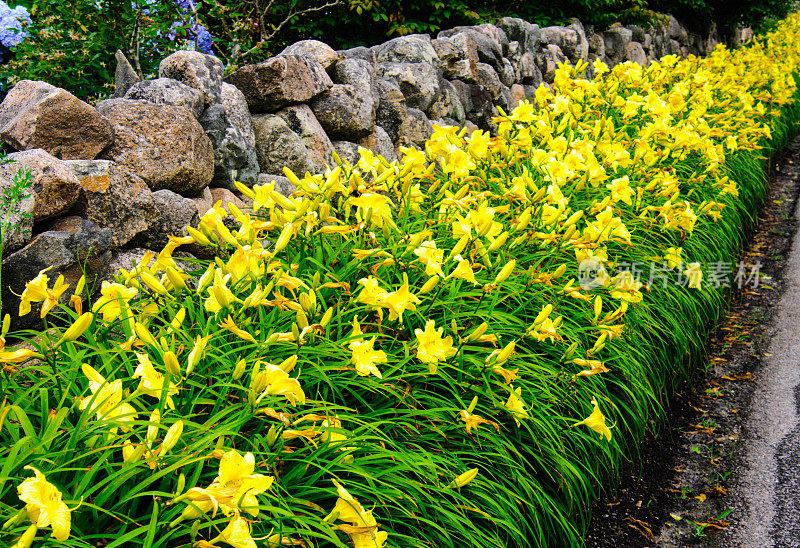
x=204 y=38
x=13 y=23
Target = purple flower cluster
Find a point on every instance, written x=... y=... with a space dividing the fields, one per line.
x=13 y=23
x=194 y=32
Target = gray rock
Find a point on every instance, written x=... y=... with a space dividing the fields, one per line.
x=616 y=41
x=488 y=45
x=527 y=34
x=347 y=151
x=315 y=50
x=676 y=31
x=163 y=144
x=345 y=112
x=282 y=184
x=196 y=70
x=524 y=65
x=477 y=103
x=355 y=72
x=113 y=198
x=597 y=45
x=234 y=153
x=17 y=217
x=568 y=41
x=418 y=129
x=174 y=214
x=454 y=59
x=508 y=75
x=413 y=48
x=635 y=52
x=548 y=62
x=448 y=105
x=582 y=49
x=124 y=76
x=277 y=146
x=280 y=81
x=291 y=138
x=37 y=115
x=302 y=121
x=392 y=109
x=419 y=82
x=360 y=52
x=488 y=78
x=238 y=114
x=73 y=247
x=517 y=95
x=165 y=91
x=380 y=143
x=54 y=187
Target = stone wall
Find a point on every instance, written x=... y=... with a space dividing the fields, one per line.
x=113 y=179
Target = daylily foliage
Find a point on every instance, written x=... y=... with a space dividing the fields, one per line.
x=405 y=353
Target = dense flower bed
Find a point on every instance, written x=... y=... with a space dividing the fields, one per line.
x=452 y=350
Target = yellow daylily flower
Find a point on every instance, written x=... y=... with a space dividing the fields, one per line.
x=365 y=357
x=273 y=380
x=44 y=504
x=596 y=421
x=233 y=490
x=695 y=275
x=516 y=406
x=432 y=348
x=37 y=290
x=109 y=302
x=430 y=257
x=399 y=301
x=152 y=382
x=463 y=270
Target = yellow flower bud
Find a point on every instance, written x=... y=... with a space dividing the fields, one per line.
x=478 y=332
x=151 y=282
x=238 y=371
x=78 y=327
x=428 y=286
x=326 y=318
x=506 y=352
x=171 y=438
x=505 y=272
x=284 y=238
x=499 y=241
x=463 y=479
x=27 y=538
x=171 y=363
x=143 y=333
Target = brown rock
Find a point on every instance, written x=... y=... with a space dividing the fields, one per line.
x=280 y=81
x=163 y=144
x=113 y=198
x=37 y=115
x=55 y=188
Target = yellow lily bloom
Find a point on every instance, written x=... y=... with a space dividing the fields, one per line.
x=596 y=421
x=276 y=382
x=36 y=291
x=152 y=382
x=463 y=270
x=44 y=504
x=516 y=406
x=399 y=301
x=432 y=348
x=109 y=302
x=365 y=357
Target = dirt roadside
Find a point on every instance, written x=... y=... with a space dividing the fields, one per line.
x=708 y=478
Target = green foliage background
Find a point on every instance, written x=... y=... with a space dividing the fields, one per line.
x=72 y=44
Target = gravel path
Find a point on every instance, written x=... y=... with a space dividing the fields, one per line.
x=770 y=483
